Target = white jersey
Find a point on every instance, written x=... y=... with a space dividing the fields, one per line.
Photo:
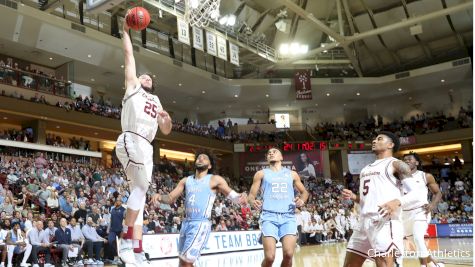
x=421 y=180
x=378 y=185
x=139 y=113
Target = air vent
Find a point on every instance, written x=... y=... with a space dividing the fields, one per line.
x=215 y=77
x=77 y=27
x=460 y=62
x=178 y=63
x=402 y=75
x=337 y=80
x=275 y=81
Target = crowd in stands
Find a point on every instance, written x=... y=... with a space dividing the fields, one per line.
x=14 y=74
x=17 y=135
x=27 y=135
x=420 y=124
x=226 y=130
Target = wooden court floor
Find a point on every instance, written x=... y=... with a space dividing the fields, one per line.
x=453 y=252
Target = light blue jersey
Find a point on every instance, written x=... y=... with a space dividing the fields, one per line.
x=196 y=227
x=199 y=198
x=278 y=210
x=277 y=190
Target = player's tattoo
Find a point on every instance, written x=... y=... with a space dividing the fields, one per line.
x=402 y=169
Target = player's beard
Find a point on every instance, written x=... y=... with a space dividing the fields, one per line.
x=148 y=89
x=201 y=167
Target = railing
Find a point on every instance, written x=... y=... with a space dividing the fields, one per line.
x=34 y=81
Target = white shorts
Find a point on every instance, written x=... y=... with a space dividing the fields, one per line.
x=376 y=238
x=135 y=154
x=410 y=216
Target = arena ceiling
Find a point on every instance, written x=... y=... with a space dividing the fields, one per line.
x=373 y=37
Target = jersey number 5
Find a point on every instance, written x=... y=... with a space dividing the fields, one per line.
x=365 y=187
x=150 y=109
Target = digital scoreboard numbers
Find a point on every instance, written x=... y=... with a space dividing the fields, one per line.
x=309 y=146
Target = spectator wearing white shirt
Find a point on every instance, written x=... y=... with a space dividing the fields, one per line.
x=93 y=242
x=305 y=216
x=459 y=187
x=39 y=240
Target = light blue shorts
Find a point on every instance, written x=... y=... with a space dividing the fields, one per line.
x=278 y=225
x=193 y=237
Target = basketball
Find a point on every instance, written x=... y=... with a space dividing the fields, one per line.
x=137 y=18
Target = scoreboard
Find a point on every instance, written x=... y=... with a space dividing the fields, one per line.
x=310 y=146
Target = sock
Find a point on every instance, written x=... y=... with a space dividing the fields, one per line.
x=138 y=247
x=128 y=232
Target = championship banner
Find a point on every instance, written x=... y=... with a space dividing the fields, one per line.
x=234 y=54
x=306 y=163
x=222 y=49
x=303 y=87
x=198 y=39
x=166 y=245
x=211 y=43
x=183 y=31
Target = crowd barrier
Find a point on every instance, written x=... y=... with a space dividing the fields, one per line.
x=161 y=246
x=166 y=245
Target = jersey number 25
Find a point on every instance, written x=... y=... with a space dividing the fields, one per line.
x=150 y=109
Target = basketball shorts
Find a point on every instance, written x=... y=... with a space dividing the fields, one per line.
x=377 y=238
x=193 y=237
x=135 y=154
x=410 y=216
x=278 y=225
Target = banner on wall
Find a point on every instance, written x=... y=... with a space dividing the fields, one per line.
x=198 y=42
x=211 y=43
x=222 y=48
x=183 y=31
x=303 y=87
x=234 y=54
x=305 y=163
x=408 y=140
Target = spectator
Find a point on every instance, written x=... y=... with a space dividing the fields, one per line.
x=94 y=242
x=40 y=243
x=15 y=241
x=64 y=241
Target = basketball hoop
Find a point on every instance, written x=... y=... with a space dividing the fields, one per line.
x=200 y=12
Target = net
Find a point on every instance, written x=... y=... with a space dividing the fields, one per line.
x=199 y=13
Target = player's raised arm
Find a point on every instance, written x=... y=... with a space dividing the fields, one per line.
x=131 y=79
x=223 y=187
x=256 y=184
x=402 y=170
x=172 y=196
x=436 y=194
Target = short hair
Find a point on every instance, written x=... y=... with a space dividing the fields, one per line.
x=394 y=138
x=211 y=157
x=275 y=147
x=14 y=223
x=416 y=156
x=151 y=77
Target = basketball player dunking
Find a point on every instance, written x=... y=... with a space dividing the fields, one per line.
x=416 y=217
x=278 y=221
x=380 y=235
x=200 y=192
x=141 y=115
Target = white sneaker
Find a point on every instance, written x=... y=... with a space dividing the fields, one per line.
x=36 y=265
x=98 y=262
x=2 y=264
x=125 y=249
x=89 y=261
x=141 y=259
x=80 y=263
